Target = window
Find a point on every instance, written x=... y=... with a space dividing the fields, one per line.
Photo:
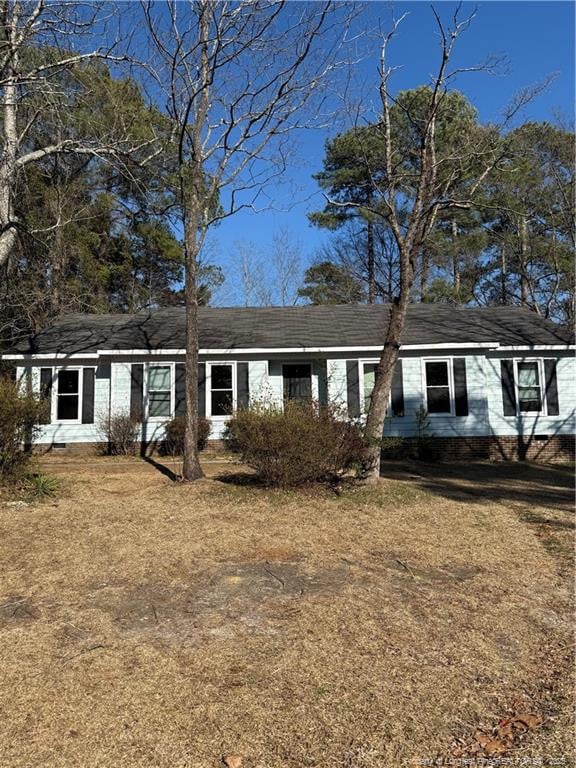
x=369 y=379
x=221 y=389
x=438 y=391
x=297 y=381
x=68 y=395
x=529 y=388
x=160 y=391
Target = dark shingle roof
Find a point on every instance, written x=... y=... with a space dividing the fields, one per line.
x=306 y=326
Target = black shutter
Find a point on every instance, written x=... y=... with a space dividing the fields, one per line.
x=88 y=396
x=508 y=391
x=460 y=390
x=180 y=389
x=551 y=388
x=353 y=388
x=201 y=390
x=46 y=392
x=243 y=386
x=397 y=394
x=137 y=392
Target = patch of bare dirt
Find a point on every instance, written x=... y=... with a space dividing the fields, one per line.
x=15 y=609
x=223 y=602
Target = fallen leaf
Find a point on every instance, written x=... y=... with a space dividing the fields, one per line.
x=482 y=738
x=232 y=761
x=506 y=731
x=529 y=720
x=495 y=747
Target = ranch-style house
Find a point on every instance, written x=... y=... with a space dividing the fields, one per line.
x=496 y=382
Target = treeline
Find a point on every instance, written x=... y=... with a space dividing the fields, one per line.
x=96 y=224
x=514 y=245
x=99 y=222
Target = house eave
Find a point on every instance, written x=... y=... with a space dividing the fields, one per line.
x=493 y=346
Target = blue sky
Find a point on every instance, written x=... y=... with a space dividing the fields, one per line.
x=537 y=38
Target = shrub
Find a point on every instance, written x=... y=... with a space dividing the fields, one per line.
x=121 y=433
x=394 y=448
x=20 y=416
x=301 y=443
x=173 y=444
x=41 y=486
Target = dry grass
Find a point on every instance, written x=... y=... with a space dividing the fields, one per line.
x=144 y=623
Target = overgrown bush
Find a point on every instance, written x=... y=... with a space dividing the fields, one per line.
x=301 y=443
x=121 y=432
x=20 y=416
x=173 y=444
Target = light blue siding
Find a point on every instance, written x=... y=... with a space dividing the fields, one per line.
x=527 y=424
x=336 y=382
x=29 y=376
x=258 y=380
x=329 y=379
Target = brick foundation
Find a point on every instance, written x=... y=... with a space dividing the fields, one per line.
x=538 y=448
x=94 y=449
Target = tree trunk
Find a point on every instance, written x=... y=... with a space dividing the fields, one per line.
x=424 y=274
x=58 y=269
x=191 y=469
x=371 y=267
x=385 y=371
x=503 y=274
x=455 y=260
x=524 y=290
x=8 y=153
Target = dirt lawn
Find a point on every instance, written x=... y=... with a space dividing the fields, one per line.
x=146 y=623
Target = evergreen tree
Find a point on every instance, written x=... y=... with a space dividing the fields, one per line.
x=327 y=283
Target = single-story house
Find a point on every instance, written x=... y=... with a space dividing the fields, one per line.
x=497 y=382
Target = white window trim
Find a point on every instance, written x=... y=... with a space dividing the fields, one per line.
x=362 y=363
x=450 y=363
x=160 y=419
x=208 y=388
x=54 y=404
x=542 y=381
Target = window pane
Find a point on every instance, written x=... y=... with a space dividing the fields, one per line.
x=528 y=375
x=67 y=407
x=68 y=382
x=159 y=404
x=530 y=403
x=438 y=399
x=159 y=377
x=437 y=374
x=369 y=380
x=221 y=403
x=297 y=382
x=221 y=377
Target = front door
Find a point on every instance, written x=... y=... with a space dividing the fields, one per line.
x=297 y=381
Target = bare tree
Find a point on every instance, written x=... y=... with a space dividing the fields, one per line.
x=267 y=276
x=287 y=269
x=434 y=179
x=238 y=79
x=250 y=275
x=41 y=42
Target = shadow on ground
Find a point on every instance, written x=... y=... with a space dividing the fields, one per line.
x=522 y=483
